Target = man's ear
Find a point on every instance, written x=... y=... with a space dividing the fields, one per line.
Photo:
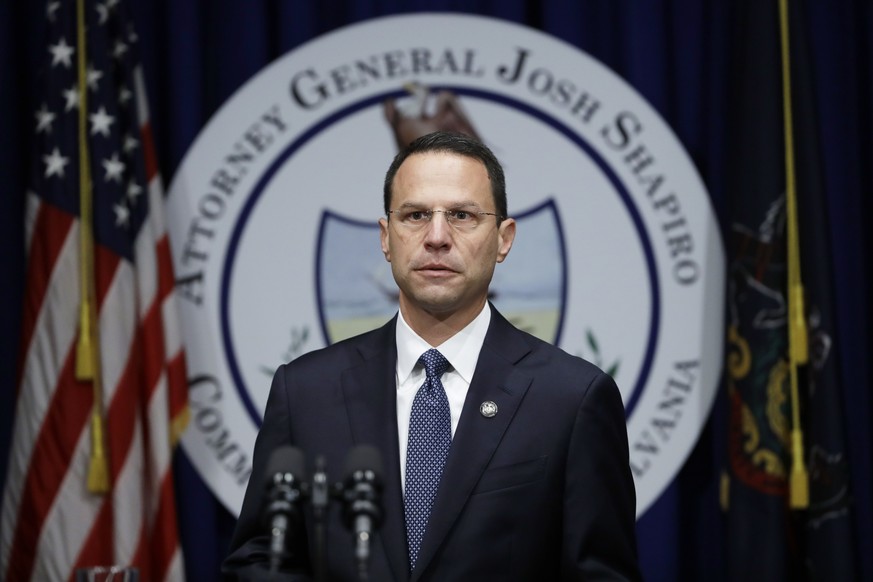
x=505 y=236
x=383 y=236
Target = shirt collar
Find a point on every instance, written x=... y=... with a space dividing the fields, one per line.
x=461 y=350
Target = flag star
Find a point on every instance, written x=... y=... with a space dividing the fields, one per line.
x=50 y=10
x=122 y=214
x=71 y=96
x=54 y=164
x=93 y=76
x=111 y=4
x=102 y=12
x=44 y=119
x=100 y=122
x=133 y=190
x=62 y=53
x=114 y=167
x=131 y=35
x=124 y=95
x=119 y=49
x=130 y=143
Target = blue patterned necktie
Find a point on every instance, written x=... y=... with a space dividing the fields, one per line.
x=430 y=436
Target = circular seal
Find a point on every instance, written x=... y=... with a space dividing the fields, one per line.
x=273 y=223
x=488 y=409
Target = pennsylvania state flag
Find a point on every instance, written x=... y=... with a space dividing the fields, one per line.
x=773 y=531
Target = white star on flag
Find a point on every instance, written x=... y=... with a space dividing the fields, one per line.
x=54 y=164
x=62 y=53
x=93 y=76
x=71 y=97
x=114 y=167
x=130 y=143
x=119 y=49
x=44 y=119
x=124 y=95
x=100 y=122
x=122 y=215
x=50 y=10
x=102 y=12
x=133 y=190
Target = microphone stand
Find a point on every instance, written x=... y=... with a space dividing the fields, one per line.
x=362 y=491
x=320 y=498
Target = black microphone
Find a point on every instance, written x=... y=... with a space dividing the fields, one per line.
x=319 y=496
x=285 y=473
x=363 y=500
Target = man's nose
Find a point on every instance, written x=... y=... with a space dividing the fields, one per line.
x=438 y=231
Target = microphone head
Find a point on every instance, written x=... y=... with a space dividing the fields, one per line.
x=283 y=460
x=363 y=462
x=363 y=488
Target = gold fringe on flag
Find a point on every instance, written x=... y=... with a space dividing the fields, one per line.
x=88 y=346
x=798 y=352
x=178 y=424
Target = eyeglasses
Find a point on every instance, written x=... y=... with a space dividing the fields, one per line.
x=458 y=218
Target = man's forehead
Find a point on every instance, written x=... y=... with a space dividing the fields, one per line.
x=440 y=179
x=448 y=168
x=446 y=156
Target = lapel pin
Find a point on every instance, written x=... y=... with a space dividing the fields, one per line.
x=488 y=409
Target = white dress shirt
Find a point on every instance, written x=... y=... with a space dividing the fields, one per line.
x=462 y=352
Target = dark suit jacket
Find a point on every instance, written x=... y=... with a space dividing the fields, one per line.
x=540 y=491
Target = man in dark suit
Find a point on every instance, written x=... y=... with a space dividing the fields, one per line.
x=504 y=457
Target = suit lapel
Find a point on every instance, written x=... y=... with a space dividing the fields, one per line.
x=477 y=437
x=371 y=403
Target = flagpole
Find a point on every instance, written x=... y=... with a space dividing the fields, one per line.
x=798 y=352
x=87 y=350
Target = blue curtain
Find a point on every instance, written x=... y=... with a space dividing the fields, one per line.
x=676 y=53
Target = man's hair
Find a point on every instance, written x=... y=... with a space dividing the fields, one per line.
x=453 y=143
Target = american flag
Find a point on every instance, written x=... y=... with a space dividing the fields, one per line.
x=52 y=521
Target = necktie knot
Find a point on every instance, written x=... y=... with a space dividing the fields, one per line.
x=435 y=364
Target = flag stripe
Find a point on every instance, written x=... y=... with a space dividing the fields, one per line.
x=78 y=510
x=60 y=432
x=105 y=273
x=165 y=269
x=52 y=228
x=127 y=484
x=164 y=540
x=94 y=554
x=47 y=357
x=62 y=416
x=148 y=150
x=32 y=206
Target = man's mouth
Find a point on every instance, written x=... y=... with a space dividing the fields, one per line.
x=435 y=269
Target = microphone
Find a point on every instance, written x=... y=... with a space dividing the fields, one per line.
x=319 y=496
x=285 y=472
x=363 y=496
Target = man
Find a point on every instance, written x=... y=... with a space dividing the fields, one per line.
x=504 y=457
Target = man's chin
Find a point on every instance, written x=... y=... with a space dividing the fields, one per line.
x=436 y=301
x=443 y=305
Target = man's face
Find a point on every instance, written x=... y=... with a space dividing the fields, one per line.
x=441 y=270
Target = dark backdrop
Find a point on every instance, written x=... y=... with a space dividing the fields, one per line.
x=675 y=52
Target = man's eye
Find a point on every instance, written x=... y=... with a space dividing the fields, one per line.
x=462 y=215
x=415 y=215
